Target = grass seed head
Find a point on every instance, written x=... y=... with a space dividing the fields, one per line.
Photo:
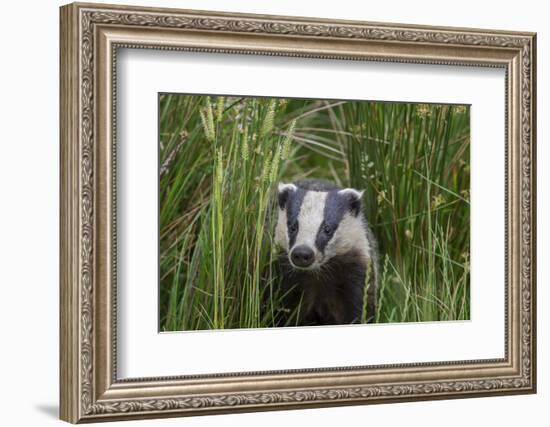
x=437 y=201
x=219 y=167
x=207 y=120
x=219 y=108
x=423 y=110
x=269 y=120
x=267 y=167
x=275 y=165
x=244 y=145
x=459 y=109
x=288 y=139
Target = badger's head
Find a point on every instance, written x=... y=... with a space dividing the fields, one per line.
x=315 y=226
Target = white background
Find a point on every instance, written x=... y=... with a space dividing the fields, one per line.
x=29 y=171
x=140 y=347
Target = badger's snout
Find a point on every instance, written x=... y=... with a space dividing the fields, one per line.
x=302 y=256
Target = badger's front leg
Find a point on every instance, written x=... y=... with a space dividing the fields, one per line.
x=346 y=303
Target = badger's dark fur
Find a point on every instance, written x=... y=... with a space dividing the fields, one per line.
x=327 y=253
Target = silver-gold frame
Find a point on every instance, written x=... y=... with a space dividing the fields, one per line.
x=90 y=37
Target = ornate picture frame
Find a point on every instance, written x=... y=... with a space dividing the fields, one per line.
x=90 y=37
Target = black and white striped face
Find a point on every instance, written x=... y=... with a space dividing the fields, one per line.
x=315 y=226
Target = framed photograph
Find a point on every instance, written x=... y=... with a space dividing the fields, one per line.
x=267 y=212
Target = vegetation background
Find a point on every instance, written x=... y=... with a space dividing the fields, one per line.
x=222 y=157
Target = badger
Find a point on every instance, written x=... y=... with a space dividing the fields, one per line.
x=327 y=254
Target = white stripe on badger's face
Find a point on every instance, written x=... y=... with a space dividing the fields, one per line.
x=350 y=235
x=309 y=220
x=281 y=232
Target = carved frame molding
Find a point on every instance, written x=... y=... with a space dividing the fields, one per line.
x=90 y=37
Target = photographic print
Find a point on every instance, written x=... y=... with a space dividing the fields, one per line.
x=283 y=212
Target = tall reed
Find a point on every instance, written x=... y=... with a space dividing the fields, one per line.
x=413 y=162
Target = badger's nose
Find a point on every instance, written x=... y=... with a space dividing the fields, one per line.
x=302 y=256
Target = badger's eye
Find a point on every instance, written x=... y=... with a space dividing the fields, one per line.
x=327 y=229
x=293 y=227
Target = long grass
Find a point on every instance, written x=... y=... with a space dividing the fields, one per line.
x=221 y=159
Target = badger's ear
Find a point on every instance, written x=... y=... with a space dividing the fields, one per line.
x=284 y=191
x=353 y=198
